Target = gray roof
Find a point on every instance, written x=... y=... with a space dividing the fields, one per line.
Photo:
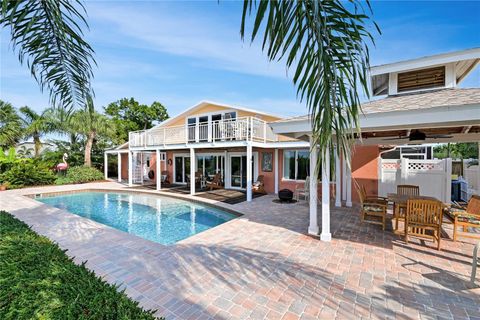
x=417 y=100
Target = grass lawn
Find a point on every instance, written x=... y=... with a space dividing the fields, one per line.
x=38 y=280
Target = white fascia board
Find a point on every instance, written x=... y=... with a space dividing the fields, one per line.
x=383 y=121
x=440 y=59
x=421 y=118
x=469 y=137
x=282 y=144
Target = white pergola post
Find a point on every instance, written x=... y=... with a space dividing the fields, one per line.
x=276 y=170
x=192 y=171
x=249 y=172
x=344 y=179
x=326 y=235
x=141 y=168
x=348 y=177
x=119 y=164
x=313 y=225
x=105 y=165
x=130 y=168
x=338 y=179
x=158 y=172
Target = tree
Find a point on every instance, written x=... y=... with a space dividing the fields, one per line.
x=90 y=124
x=47 y=35
x=130 y=115
x=324 y=42
x=25 y=152
x=36 y=125
x=10 y=125
x=461 y=150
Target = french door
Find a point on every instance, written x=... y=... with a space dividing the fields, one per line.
x=238 y=171
x=182 y=169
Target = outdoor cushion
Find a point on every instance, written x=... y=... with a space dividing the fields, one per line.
x=462 y=216
x=372 y=208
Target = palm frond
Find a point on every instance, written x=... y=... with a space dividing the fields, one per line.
x=324 y=42
x=48 y=37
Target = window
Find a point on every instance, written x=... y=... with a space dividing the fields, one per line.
x=296 y=164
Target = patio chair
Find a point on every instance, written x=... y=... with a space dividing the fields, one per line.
x=407 y=190
x=259 y=185
x=465 y=218
x=372 y=209
x=216 y=182
x=305 y=191
x=424 y=220
x=165 y=177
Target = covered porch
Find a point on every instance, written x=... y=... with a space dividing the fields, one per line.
x=438 y=116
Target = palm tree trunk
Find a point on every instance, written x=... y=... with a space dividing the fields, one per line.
x=88 y=149
x=38 y=145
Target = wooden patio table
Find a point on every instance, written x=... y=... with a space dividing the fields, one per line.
x=400 y=201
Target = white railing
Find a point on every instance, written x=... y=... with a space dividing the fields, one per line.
x=239 y=129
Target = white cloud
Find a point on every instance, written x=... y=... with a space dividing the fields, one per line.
x=213 y=45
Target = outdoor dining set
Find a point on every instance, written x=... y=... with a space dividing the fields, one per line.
x=422 y=216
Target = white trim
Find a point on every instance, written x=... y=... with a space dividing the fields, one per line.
x=326 y=235
x=296 y=165
x=313 y=220
x=433 y=60
x=228 y=168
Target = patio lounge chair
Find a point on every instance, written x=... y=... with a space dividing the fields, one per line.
x=408 y=190
x=424 y=220
x=259 y=185
x=466 y=217
x=216 y=182
x=305 y=191
x=372 y=209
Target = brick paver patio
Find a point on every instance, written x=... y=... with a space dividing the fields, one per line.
x=262 y=265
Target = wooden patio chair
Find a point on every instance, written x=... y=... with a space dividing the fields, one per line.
x=372 y=209
x=305 y=191
x=407 y=190
x=468 y=217
x=424 y=220
x=259 y=185
x=216 y=182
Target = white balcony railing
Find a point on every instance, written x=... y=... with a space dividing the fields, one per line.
x=240 y=129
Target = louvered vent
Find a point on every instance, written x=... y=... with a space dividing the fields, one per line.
x=421 y=79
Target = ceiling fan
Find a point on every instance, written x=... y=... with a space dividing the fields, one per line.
x=417 y=135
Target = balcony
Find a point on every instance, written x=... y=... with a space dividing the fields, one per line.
x=239 y=129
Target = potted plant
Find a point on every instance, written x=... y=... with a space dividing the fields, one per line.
x=4 y=185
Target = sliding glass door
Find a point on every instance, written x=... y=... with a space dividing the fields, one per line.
x=238 y=171
x=210 y=165
x=182 y=169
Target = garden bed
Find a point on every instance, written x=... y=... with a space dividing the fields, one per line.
x=38 y=280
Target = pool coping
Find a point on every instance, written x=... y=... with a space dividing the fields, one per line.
x=34 y=196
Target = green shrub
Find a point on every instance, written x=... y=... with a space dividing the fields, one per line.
x=27 y=172
x=39 y=281
x=80 y=174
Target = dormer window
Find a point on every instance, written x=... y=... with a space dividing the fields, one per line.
x=421 y=79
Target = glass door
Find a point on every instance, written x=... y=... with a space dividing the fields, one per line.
x=182 y=169
x=191 y=129
x=238 y=165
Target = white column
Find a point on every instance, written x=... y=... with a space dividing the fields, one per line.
x=326 y=235
x=276 y=170
x=249 y=171
x=344 y=179
x=192 y=171
x=348 y=177
x=448 y=182
x=313 y=226
x=141 y=168
x=105 y=165
x=338 y=179
x=130 y=168
x=158 y=171
x=119 y=163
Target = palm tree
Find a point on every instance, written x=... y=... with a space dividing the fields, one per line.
x=36 y=125
x=90 y=124
x=10 y=125
x=47 y=35
x=25 y=152
x=324 y=42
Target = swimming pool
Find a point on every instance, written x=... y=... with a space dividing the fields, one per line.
x=157 y=218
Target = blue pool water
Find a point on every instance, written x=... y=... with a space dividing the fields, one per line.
x=161 y=219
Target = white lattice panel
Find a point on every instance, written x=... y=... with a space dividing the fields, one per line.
x=426 y=165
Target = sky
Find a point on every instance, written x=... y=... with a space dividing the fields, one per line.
x=179 y=53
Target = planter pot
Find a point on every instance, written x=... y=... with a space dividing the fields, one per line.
x=3 y=187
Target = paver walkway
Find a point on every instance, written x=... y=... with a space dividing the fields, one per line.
x=261 y=265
